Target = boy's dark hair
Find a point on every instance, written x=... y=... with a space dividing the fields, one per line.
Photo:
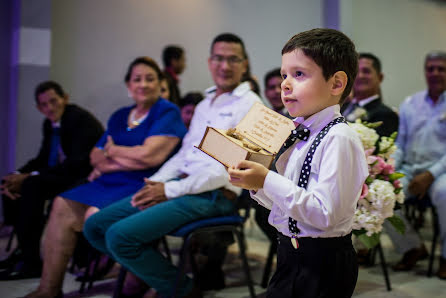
x=47 y=85
x=191 y=98
x=229 y=37
x=146 y=61
x=271 y=74
x=376 y=63
x=332 y=50
x=171 y=52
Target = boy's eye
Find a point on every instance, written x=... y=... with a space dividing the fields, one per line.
x=284 y=76
x=299 y=74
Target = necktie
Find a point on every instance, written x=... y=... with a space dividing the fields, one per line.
x=53 y=158
x=301 y=132
x=350 y=108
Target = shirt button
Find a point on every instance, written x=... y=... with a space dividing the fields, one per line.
x=208 y=122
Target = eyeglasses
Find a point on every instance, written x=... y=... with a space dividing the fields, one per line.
x=231 y=60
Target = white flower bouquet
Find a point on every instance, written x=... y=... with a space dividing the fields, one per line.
x=382 y=188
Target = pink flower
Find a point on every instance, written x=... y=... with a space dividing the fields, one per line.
x=379 y=165
x=369 y=152
x=397 y=184
x=364 y=191
x=388 y=169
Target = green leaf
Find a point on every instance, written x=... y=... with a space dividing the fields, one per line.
x=359 y=232
x=369 y=241
x=373 y=124
x=394 y=135
x=396 y=176
x=397 y=223
x=369 y=180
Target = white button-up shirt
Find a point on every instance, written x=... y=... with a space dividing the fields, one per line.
x=338 y=171
x=205 y=173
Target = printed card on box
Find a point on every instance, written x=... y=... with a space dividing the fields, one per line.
x=258 y=137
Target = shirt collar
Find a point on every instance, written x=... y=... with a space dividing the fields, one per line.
x=317 y=121
x=239 y=91
x=367 y=100
x=440 y=99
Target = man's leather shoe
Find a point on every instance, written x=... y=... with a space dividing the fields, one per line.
x=12 y=259
x=410 y=258
x=441 y=273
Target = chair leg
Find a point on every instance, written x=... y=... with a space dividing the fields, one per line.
x=181 y=263
x=93 y=260
x=241 y=243
x=434 y=240
x=11 y=237
x=166 y=248
x=268 y=265
x=120 y=283
x=384 y=267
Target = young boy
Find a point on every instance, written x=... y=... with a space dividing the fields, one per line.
x=313 y=196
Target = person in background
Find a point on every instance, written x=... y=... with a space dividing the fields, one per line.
x=69 y=134
x=168 y=90
x=174 y=60
x=188 y=187
x=421 y=157
x=367 y=103
x=187 y=106
x=138 y=140
x=272 y=82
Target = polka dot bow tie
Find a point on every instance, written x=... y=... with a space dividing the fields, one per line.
x=301 y=132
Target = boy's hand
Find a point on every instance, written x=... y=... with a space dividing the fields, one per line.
x=248 y=175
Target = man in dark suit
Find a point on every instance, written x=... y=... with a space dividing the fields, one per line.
x=367 y=103
x=69 y=133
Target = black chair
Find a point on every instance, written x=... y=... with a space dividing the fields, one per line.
x=415 y=209
x=232 y=223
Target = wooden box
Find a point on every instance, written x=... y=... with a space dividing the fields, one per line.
x=261 y=127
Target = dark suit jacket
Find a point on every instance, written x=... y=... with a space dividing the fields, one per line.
x=378 y=111
x=79 y=132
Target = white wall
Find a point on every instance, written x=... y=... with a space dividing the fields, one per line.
x=94 y=40
x=400 y=33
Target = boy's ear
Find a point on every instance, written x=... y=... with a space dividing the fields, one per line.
x=339 y=82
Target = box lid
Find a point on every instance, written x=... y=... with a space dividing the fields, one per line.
x=265 y=127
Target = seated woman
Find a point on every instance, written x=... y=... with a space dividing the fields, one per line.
x=138 y=140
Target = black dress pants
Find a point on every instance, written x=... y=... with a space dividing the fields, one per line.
x=30 y=214
x=320 y=267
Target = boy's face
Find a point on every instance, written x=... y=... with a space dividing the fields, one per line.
x=304 y=88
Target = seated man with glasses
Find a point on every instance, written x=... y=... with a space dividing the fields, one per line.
x=188 y=187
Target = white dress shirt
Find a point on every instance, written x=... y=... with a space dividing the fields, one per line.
x=205 y=173
x=338 y=171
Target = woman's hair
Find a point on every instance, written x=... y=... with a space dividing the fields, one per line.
x=146 y=61
x=173 y=94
